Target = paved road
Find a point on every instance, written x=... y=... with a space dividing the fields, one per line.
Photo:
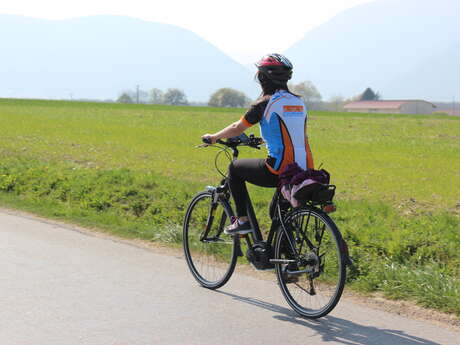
x=63 y=287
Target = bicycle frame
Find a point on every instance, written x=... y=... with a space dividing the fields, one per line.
x=277 y=221
x=257 y=234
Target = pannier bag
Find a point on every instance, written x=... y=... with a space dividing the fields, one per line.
x=299 y=186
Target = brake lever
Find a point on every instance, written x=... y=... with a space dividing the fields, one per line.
x=202 y=146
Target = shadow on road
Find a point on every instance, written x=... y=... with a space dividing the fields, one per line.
x=335 y=329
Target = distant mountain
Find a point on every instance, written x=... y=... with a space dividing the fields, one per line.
x=401 y=48
x=97 y=57
x=436 y=78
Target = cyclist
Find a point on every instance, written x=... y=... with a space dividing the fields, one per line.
x=282 y=117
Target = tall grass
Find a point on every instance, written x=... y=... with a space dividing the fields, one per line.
x=131 y=169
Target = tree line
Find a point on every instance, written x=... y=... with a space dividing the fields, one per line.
x=171 y=96
x=228 y=97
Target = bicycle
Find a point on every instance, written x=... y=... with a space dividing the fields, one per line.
x=303 y=245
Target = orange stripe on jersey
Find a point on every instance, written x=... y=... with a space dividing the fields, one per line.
x=293 y=108
x=273 y=171
x=245 y=122
x=310 y=164
x=288 y=154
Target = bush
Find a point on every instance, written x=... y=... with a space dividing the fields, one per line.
x=227 y=97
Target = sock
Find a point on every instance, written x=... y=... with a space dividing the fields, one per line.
x=241 y=222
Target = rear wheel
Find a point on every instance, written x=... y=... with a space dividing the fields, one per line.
x=210 y=253
x=312 y=282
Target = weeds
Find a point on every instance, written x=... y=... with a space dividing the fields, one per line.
x=133 y=169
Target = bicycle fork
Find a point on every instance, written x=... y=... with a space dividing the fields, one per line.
x=210 y=220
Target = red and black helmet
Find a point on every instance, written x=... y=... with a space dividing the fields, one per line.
x=275 y=67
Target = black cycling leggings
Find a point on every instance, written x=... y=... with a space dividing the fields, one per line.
x=252 y=170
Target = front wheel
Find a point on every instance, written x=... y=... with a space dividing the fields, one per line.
x=312 y=281
x=210 y=253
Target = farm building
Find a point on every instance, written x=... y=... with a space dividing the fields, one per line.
x=391 y=107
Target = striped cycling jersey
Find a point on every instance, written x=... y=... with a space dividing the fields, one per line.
x=282 y=125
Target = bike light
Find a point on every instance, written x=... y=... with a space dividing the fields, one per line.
x=329 y=208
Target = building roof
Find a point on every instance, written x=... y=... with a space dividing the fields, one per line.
x=395 y=104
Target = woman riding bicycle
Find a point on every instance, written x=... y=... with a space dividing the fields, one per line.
x=282 y=117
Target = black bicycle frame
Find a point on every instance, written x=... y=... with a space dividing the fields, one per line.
x=277 y=223
x=277 y=219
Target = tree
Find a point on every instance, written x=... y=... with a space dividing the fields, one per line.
x=336 y=102
x=143 y=96
x=227 y=97
x=125 y=98
x=156 y=96
x=307 y=91
x=175 y=97
x=134 y=96
x=336 y=99
x=369 y=95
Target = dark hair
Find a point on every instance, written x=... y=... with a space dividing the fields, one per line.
x=268 y=86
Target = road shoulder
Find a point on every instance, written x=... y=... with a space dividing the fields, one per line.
x=406 y=309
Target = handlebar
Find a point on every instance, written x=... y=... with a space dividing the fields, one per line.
x=241 y=140
x=232 y=144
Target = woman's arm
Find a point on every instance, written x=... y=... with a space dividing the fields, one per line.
x=233 y=130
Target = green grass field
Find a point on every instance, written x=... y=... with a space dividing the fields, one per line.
x=131 y=169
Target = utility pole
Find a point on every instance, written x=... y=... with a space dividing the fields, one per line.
x=137 y=94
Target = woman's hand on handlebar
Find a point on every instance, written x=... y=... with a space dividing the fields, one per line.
x=209 y=138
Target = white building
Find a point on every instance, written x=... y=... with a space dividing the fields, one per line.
x=391 y=107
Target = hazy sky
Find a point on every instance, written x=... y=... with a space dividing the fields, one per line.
x=244 y=29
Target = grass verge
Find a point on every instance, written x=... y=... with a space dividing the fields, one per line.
x=131 y=170
x=406 y=257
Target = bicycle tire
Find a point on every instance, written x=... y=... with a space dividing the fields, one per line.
x=211 y=262
x=324 y=284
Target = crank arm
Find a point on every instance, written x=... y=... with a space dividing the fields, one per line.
x=281 y=261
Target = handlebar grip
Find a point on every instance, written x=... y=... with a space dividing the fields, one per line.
x=206 y=140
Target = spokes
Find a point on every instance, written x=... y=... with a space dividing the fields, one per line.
x=209 y=251
x=314 y=288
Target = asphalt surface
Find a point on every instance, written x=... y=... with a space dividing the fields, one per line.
x=59 y=286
